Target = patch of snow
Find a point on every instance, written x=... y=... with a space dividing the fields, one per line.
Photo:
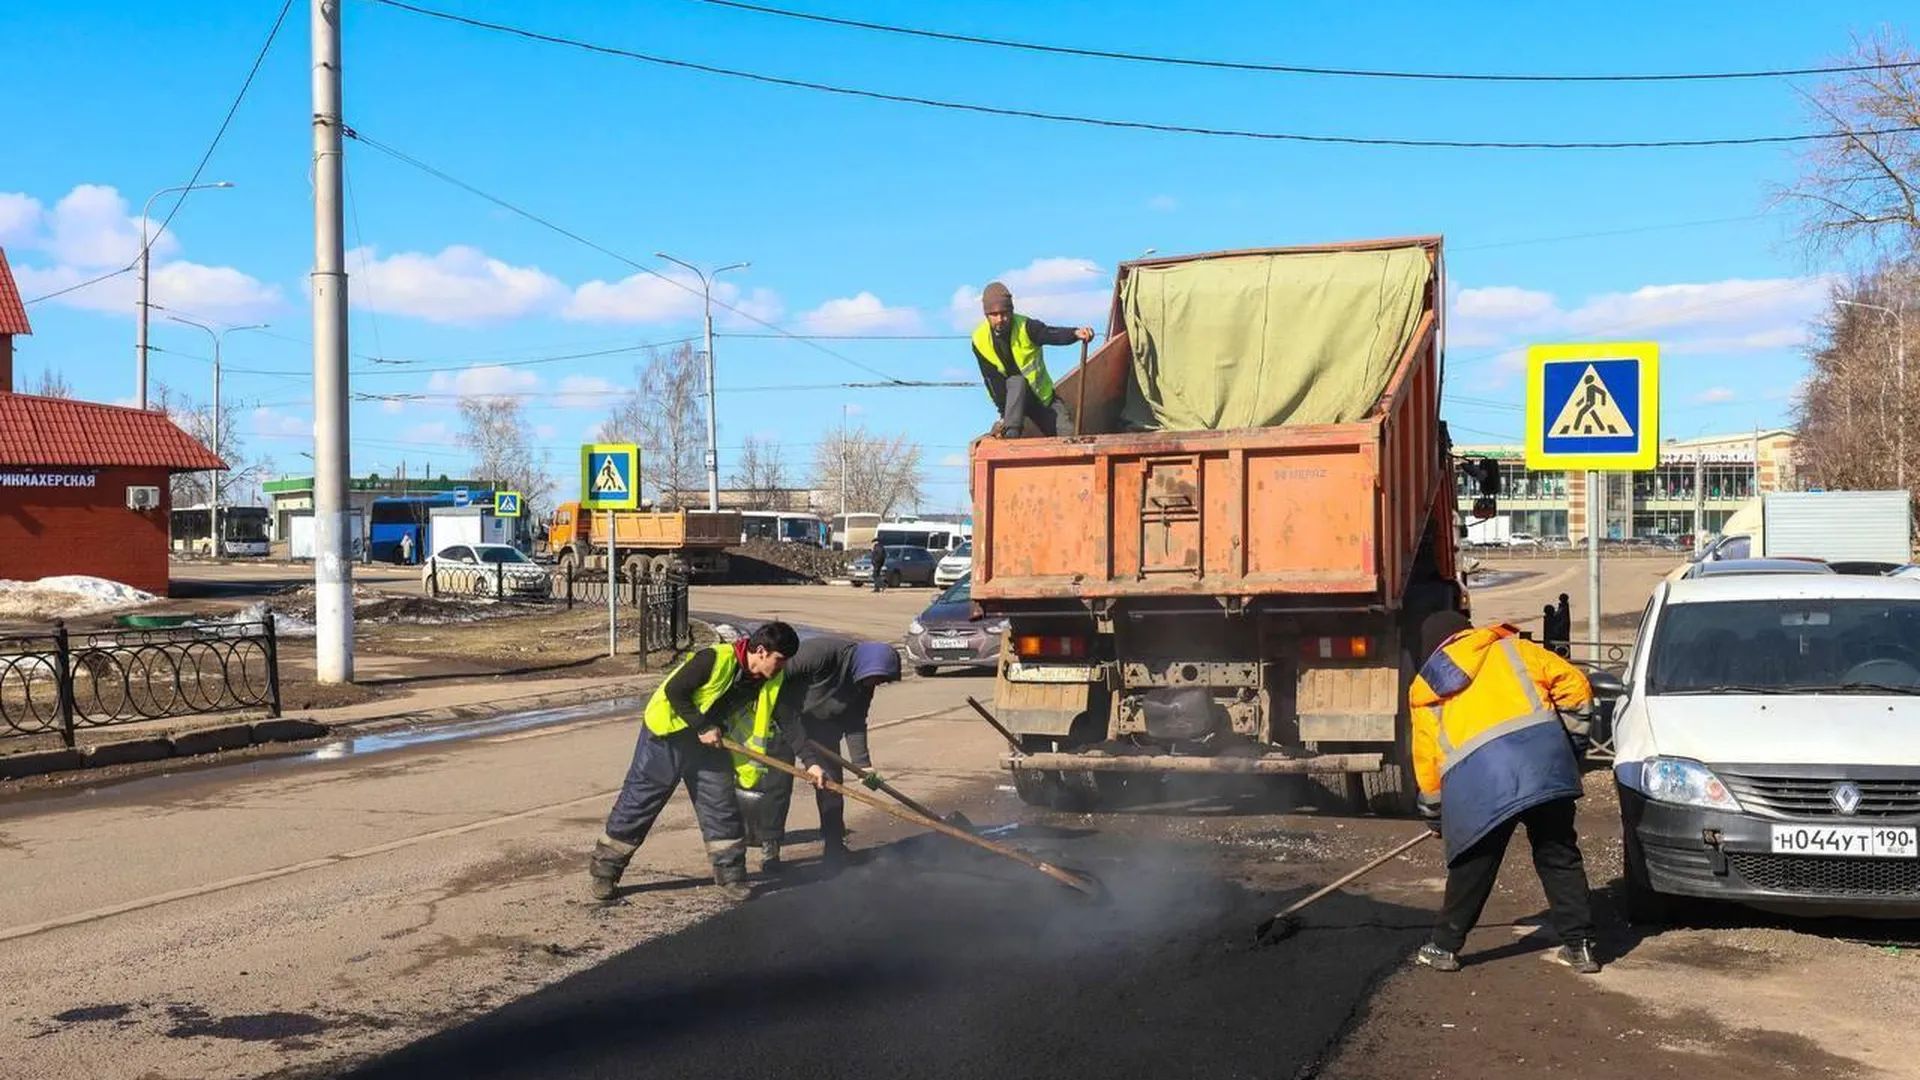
x=67 y=596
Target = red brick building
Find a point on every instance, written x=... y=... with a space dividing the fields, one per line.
x=83 y=487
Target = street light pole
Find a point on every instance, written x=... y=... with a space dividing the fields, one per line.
x=140 y=332
x=218 y=336
x=713 y=425
x=1900 y=385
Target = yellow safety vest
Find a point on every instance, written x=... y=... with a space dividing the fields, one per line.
x=752 y=727
x=1026 y=357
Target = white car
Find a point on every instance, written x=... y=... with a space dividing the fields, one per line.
x=484 y=570
x=1523 y=540
x=1765 y=747
x=955 y=566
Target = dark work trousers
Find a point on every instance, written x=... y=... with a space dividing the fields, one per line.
x=659 y=766
x=831 y=804
x=764 y=809
x=1556 y=858
x=1022 y=403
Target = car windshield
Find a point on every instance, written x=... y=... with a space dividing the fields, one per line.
x=960 y=593
x=500 y=555
x=1787 y=646
x=964 y=551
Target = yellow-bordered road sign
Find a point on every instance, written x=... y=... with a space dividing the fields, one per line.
x=506 y=504
x=1593 y=406
x=609 y=476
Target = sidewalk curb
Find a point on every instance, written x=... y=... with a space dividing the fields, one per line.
x=292 y=729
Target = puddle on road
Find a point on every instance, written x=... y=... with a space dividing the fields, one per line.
x=383 y=741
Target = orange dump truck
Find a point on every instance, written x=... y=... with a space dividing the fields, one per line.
x=1225 y=571
x=650 y=543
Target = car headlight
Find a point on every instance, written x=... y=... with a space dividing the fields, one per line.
x=914 y=627
x=1687 y=783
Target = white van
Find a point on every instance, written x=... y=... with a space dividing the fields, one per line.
x=1766 y=749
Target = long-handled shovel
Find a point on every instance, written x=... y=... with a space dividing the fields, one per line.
x=872 y=779
x=1078 y=880
x=1283 y=925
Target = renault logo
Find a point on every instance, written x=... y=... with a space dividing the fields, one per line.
x=1846 y=797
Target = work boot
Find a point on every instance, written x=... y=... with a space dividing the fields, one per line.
x=610 y=859
x=1578 y=956
x=770 y=862
x=732 y=881
x=1437 y=958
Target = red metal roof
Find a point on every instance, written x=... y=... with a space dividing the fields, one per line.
x=13 y=313
x=58 y=431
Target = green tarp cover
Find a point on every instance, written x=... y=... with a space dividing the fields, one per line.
x=1269 y=340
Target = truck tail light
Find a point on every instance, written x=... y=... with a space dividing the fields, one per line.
x=1049 y=647
x=1336 y=648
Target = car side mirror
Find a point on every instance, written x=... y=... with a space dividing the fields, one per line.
x=1607 y=686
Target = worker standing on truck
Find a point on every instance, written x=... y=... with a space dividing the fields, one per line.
x=1007 y=348
x=1490 y=754
x=699 y=701
x=829 y=692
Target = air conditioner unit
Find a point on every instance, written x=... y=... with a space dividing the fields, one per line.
x=143 y=498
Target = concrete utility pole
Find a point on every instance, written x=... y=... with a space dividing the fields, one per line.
x=141 y=308
x=1900 y=386
x=713 y=426
x=213 y=518
x=332 y=547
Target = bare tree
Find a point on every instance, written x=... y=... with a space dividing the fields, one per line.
x=663 y=416
x=1860 y=190
x=762 y=475
x=496 y=430
x=52 y=384
x=241 y=484
x=882 y=473
x=1851 y=410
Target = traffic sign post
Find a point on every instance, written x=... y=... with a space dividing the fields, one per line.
x=609 y=476
x=1594 y=407
x=506 y=504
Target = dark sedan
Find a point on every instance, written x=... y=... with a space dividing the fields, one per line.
x=946 y=635
x=905 y=566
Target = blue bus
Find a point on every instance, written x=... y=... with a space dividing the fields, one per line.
x=395 y=516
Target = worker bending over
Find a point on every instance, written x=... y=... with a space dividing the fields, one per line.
x=829 y=691
x=1007 y=348
x=1490 y=753
x=729 y=688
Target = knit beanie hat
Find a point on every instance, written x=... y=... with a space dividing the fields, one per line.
x=996 y=297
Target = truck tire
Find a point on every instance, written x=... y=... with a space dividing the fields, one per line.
x=660 y=568
x=569 y=563
x=1393 y=791
x=1069 y=792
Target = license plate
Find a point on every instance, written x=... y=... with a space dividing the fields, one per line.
x=1870 y=842
x=946 y=643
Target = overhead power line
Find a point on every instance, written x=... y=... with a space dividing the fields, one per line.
x=1303 y=69
x=225 y=121
x=438 y=174
x=1133 y=125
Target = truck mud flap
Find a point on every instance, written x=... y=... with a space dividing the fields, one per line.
x=1271 y=764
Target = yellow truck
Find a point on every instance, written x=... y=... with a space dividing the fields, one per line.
x=651 y=544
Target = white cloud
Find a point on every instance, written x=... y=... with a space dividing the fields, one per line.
x=545 y=431
x=1062 y=291
x=19 y=219
x=1733 y=316
x=91 y=226
x=1165 y=204
x=461 y=284
x=958 y=373
x=483 y=380
x=435 y=433
x=1715 y=394
x=270 y=424
x=862 y=314
x=219 y=293
x=661 y=298
x=953 y=461
x=854 y=409
x=586 y=392
x=393 y=406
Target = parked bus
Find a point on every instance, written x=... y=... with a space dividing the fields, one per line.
x=786 y=528
x=853 y=532
x=190 y=528
x=395 y=516
x=932 y=535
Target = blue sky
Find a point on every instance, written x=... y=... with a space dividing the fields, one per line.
x=865 y=217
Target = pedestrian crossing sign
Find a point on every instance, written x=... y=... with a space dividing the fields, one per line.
x=609 y=476
x=1593 y=406
x=506 y=504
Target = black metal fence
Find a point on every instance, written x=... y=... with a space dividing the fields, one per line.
x=660 y=601
x=59 y=682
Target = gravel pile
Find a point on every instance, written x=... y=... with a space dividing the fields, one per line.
x=766 y=562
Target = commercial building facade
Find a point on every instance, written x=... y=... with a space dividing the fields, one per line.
x=1699 y=483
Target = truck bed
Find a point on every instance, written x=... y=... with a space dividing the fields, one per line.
x=1314 y=510
x=668 y=528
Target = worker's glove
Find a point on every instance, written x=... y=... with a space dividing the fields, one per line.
x=872 y=780
x=1430 y=814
